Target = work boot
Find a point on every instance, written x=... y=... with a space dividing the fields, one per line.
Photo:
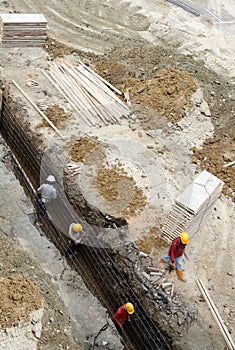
x=180 y=276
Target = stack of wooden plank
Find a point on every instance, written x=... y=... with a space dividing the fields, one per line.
x=94 y=98
x=193 y=207
x=22 y=30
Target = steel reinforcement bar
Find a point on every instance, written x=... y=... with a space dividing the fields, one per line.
x=99 y=267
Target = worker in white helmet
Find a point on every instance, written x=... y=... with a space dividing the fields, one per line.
x=45 y=193
x=47 y=190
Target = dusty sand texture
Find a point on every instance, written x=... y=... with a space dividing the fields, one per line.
x=81 y=148
x=57 y=116
x=215 y=153
x=113 y=181
x=19 y=297
x=169 y=92
x=131 y=45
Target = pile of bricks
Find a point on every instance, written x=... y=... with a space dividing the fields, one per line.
x=193 y=207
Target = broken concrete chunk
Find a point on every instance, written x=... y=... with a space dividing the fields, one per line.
x=148 y=277
x=204 y=109
x=166 y=285
x=151 y=268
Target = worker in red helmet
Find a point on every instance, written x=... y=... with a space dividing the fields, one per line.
x=175 y=254
x=123 y=314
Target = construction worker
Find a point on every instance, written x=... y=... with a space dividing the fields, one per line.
x=123 y=314
x=47 y=191
x=76 y=234
x=175 y=254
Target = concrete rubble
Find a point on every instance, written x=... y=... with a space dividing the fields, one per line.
x=121 y=175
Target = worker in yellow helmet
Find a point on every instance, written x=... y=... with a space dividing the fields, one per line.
x=123 y=314
x=76 y=234
x=175 y=254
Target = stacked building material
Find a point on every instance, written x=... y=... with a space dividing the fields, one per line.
x=193 y=207
x=22 y=30
x=91 y=96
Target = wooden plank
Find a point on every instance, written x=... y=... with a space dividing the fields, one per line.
x=23 y=38
x=37 y=109
x=102 y=79
x=228 y=164
x=72 y=96
x=102 y=83
x=22 y=18
x=64 y=95
x=216 y=315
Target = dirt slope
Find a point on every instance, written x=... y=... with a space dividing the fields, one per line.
x=113 y=37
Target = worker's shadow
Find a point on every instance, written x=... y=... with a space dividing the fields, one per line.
x=72 y=249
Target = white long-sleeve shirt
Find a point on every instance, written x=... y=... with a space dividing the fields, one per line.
x=75 y=236
x=48 y=192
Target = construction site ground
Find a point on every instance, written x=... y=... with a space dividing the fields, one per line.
x=160 y=56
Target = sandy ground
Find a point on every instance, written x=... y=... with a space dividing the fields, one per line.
x=159 y=36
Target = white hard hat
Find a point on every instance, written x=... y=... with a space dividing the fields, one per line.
x=51 y=178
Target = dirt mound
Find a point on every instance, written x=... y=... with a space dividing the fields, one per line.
x=112 y=181
x=213 y=155
x=114 y=184
x=115 y=73
x=19 y=297
x=81 y=148
x=57 y=116
x=147 y=242
x=168 y=93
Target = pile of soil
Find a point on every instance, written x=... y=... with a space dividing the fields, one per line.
x=147 y=242
x=19 y=297
x=168 y=93
x=81 y=148
x=57 y=116
x=116 y=73
x=114 y=184
x=216 y=152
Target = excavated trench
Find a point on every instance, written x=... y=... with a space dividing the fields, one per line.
x=106 y=272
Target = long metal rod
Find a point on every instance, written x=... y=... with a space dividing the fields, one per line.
x=185 y=7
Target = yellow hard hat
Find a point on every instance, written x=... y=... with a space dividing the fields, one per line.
x=130 y=308
x=184 y=237
x=77 y=227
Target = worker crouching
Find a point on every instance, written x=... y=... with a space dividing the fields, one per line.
x=175 y=254
x=76 y=235
x=123 y=314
